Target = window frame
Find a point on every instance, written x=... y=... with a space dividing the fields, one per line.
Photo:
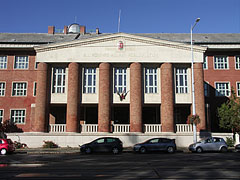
x=117 y=87
x=23 y=118
x=16 y=64
x=34 y=89
x=24 y=90
x=2 y=63
x=89 y=89
x=237 y=62
x=1 y=115
x=205 y=63
x=2 y=90
x=216 y=66
x=58 y=87
x=238 y=88
x=181 y=89
x=151 y=89
x=218 y=94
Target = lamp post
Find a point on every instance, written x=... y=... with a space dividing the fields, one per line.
x=193 y=90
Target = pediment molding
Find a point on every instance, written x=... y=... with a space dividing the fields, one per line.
x=119 y=36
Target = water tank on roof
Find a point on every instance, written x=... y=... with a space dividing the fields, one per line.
x=74 y=28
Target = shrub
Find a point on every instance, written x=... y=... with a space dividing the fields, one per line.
x=49 y=144
x=9 y=127
x=230 y=141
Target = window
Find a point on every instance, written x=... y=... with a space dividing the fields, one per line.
x=58 y=80
x=181 y=80
x=205 y=63
x=3 y=62
x=2 y=88
x=100 y=141
x=220 y=62
x=206 y=89
x=18 y=116
x=238 y=89
x=36 y=65
x=89 y=80
x=21 y=62
x=1 y=115
x=237 y=62
x=150 y=80
x=19 y=89
x=222 y=89
x=34 y=88
x=120 y=80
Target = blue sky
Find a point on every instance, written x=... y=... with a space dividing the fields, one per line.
x=137 y=16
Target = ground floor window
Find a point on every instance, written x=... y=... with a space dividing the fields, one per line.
x=151 y=114
x=120 y=114
x=91 y=114
x=1 y=115
x=57 y=114
x=18 y=116
x=181 y=112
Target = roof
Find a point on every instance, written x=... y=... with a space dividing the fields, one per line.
x=44 y=38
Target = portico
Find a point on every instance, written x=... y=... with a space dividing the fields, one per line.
x=94 y=78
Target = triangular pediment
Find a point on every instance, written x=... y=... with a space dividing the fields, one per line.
x=119 y=47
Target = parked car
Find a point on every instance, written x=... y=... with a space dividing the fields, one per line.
x=237 y=147
x=209 y=144
x=104 y=144
x=156 y=144
x=6 y=146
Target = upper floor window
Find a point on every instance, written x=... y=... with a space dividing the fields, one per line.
x=221 y=62
x=120 y=80
x=58 y=85
x=34 y=88
x=1 y=115
x=205 y=63
x=2 y=88
x=237 y=62
x=18 y=116
x=3 y=62
x=19 y=89
x=150 y=80
x=89 y=84
x=238 y=89
x=21 y=62
x=222 y=89
x=181 y=80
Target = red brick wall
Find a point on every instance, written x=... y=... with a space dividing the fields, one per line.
x=11 y=75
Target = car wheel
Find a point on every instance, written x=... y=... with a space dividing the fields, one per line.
x=199 y=150
x=3 y=151
x=115 y=150
x=143 y=150
x=170 y=149
x=223 y=149
x=88 y=150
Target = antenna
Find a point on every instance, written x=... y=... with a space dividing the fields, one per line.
x=119 y=17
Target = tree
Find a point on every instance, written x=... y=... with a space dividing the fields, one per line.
x=229 y=113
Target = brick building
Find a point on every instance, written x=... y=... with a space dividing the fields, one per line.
x=125 y=83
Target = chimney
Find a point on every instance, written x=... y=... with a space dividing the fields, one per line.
x=97 y=31
x=51 y=29
x=65 y=30
x=82 y=29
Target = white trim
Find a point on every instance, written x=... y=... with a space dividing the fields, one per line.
x=205 y=58
x=4 y=88
x=62 y=85
x=154 y=74
x=229 y=88
x=184 y=89
x=224 y=63
x=1 y=121
x=22 y=62
x=21 y=109
x=238 y=90
x=124 y=79
x=89 y=89
x=237 y=57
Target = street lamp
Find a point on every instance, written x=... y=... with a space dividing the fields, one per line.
x=193 y=90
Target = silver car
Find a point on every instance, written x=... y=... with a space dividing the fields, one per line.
x=209 y=144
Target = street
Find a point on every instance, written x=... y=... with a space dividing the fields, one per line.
x=124 y=166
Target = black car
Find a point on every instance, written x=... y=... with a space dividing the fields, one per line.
x=104 y=144
x=156 y=144
x=237 y=147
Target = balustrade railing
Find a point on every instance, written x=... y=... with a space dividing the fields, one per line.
x=89 y=128
x=152 y=128
x=57 y=128
x=184 y=128
x=121 y=128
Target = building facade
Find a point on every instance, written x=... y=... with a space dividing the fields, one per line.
x=124 y=83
